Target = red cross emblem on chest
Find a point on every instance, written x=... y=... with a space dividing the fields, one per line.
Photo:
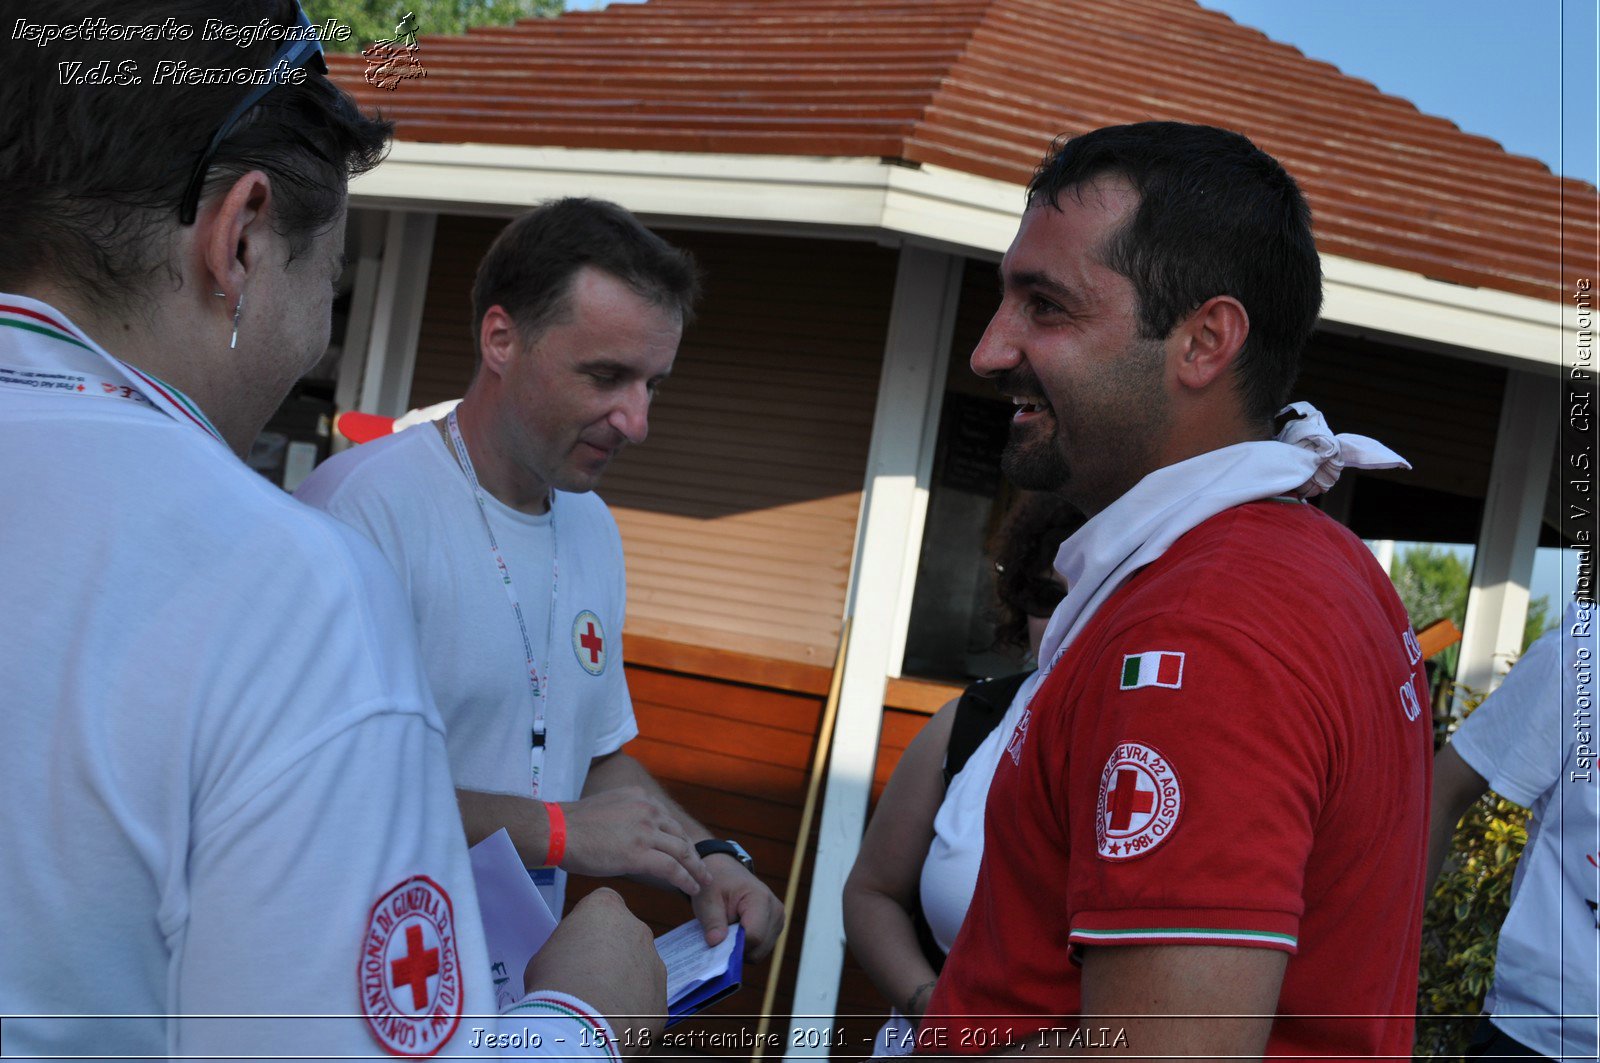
x=589 y=642
x=593 y=643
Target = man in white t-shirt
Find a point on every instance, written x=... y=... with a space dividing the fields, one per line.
x=225 y=805
x=514 y=567
x=1531 y=741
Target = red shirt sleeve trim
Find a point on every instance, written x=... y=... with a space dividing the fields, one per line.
x=1188 y=926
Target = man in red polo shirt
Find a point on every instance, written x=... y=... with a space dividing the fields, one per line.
x=1209 y=826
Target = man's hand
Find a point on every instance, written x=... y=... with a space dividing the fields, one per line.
x=735 y=895
x=626 y=831
x=731 y=893
x=605 y=957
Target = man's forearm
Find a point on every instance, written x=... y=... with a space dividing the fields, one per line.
x=1144 y=1002
x=524 y=819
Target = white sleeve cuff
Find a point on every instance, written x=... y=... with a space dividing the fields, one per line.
x=566 y=1027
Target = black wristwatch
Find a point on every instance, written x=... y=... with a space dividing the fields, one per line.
x=727 y=846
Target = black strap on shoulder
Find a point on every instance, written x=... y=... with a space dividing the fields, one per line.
x=977 y=713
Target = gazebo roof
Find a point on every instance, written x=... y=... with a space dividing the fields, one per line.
x=982 y=86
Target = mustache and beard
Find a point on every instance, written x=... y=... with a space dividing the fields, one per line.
x=1098 y=436
x=1033 y=458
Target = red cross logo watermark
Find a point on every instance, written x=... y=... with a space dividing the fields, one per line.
x=409 y=972
x=589 y=642
x=1139 y=802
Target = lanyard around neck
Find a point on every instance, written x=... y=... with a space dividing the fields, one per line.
x=540 y=685
x=132 y=385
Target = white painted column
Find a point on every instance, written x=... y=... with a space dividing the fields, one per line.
x=366 y=247
x=1502 y=568
x=397 y=314
x=888 y=543
x=1383 y=550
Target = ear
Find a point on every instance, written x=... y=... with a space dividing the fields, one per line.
x=235 y=235
x=1209 y=340
x=498 y=339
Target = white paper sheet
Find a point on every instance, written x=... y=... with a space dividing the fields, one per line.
x=516 y=920
x=689 y=960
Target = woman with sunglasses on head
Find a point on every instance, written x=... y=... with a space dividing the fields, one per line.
x=909 y=890
x=225 y=803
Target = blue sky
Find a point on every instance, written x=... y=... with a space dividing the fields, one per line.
x=1520 y=72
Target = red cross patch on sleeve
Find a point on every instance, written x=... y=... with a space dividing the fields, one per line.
x=1139 y=802
x=409 y=972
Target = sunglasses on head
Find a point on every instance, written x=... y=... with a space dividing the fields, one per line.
x=294 y=55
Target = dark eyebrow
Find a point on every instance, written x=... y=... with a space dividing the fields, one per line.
x=1043 y=282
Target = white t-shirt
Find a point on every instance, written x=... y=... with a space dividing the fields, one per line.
x=223 y=784
x=408 y=495
x=1532 y=739
x=950 y=870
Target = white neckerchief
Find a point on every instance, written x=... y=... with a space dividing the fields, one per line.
x=42 y=351
x=1304 y=460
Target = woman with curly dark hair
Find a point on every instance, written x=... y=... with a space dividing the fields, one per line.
x=909 y=889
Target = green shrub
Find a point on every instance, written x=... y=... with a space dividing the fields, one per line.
x=1462 y=924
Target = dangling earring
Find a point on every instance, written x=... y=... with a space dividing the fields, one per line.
x=238 y=307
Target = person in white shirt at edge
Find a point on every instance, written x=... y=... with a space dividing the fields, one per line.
x=514 y=567
x=1532 y=742
x=225 y=800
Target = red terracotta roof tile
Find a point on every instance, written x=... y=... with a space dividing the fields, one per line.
x=982 y=86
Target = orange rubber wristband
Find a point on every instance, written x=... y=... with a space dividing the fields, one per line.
x=558 y=835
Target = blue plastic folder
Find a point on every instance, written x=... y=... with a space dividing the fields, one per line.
x=698 y=977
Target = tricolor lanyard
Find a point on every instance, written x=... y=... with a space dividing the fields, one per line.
x=154 y=392
x=541 y=687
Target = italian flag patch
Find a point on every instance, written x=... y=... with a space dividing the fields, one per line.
x=1157 y=668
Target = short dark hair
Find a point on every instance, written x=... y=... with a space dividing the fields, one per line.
x=1024 y=552
x=1216 y=216
x=530 y=267
x=91 y=175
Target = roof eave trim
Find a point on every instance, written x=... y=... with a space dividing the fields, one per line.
x=930 y=205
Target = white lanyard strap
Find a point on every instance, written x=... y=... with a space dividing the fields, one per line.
x=541 y=686
x=148 y=390
x=17 y=378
